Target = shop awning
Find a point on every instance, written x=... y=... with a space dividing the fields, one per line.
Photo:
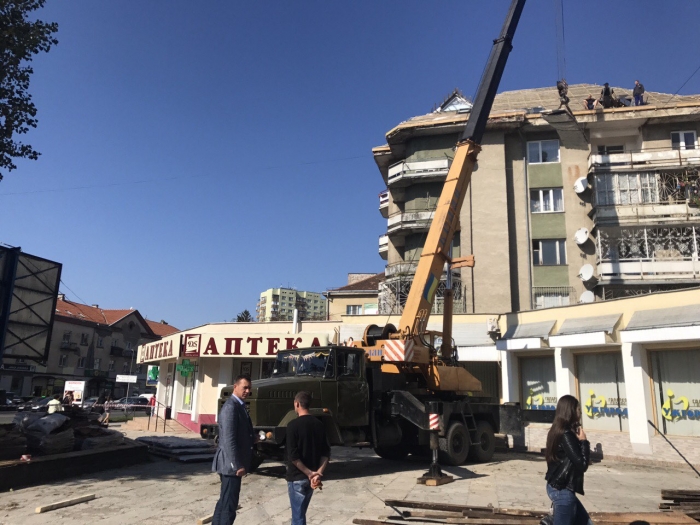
x=663 y=325
x=585 y=331
x=526 y=335
x=467 y=334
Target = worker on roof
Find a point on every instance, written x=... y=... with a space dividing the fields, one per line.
x=563 y=89
x=590 y=102
x=638 y=93
x=607 y=96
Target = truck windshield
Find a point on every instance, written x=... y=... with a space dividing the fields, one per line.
x=304 y=363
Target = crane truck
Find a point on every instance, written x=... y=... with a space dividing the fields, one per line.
x=400 y=390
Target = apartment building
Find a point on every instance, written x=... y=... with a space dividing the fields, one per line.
x=562 y=208
x=278 y=304
x=358 y=297
x=92 y=344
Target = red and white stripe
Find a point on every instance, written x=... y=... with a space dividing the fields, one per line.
x=434 y=421
x=398 y=350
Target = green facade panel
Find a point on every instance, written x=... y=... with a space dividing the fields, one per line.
x=548 y=226
x=547 y=175
x=550 y=275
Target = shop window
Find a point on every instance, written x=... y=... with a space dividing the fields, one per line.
x=353 y=309
x=188 y=389
x=546 y=200
x=62 y=360
x=538 y=383
x=602 y=393
x=549 y=252
x=541 y=151
x=677 y=391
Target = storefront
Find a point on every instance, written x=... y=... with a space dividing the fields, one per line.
x=194 y=365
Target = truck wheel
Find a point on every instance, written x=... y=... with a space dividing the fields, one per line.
x=484 y=443
x=395 y=453
x=454 y=447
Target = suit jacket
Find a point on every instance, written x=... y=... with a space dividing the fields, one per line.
x=235 y=449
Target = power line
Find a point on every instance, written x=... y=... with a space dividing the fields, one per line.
x=684 y=83
x=164 y=179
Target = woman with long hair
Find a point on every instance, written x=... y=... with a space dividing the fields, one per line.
x=568 y=453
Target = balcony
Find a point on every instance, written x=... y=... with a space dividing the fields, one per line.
x=652 y=255
x=644 y=160
x=430 y=170
x=117 y=351
x=409 y=222
x=384 y=246
x=384 y=204
x=69 y=347
x=404 y=268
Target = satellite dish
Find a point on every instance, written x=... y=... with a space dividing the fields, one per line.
x=587 y=273
x=581 y=185
x=581 y=236
x=587 y=297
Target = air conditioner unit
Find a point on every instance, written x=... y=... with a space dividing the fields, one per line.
x=492 y=326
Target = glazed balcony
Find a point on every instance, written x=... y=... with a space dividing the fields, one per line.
x=644 y=160
x=384 y=246
x=407 y=173
x=384 y=204
x=409 y=222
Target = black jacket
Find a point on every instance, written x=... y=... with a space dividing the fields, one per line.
x=638 y=90
x=579 y=453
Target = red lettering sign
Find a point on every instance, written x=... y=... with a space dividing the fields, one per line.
x=254 y=344
x=292 y=343
x=272 y=345
x=211 y=348
x=170 y=352
x=237 y=350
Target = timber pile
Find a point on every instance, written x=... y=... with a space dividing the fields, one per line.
x=685 y=501
x=179 y=449
x=442 y=513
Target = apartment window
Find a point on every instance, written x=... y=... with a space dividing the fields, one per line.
x=111 y=365
x=683 y=140
x=610 y=150
x=62 y=360
x=546 y=200
x=66 y=336
x=626 y=188
x=81 y=362
x=100 y=342
x=128 y=345
x=542 y=151
x=125 y=367
x=353 y=309
x=551 y=296
x=98 y=362
x=550 y=252
x=84 y=339
x=138 y=368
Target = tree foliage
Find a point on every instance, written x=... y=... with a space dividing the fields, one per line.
x=244 y=317
x=20 y=39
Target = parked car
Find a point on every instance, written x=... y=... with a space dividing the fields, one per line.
x=41 y=405
x=140 y=402
x=27 y=404
x=90 y=402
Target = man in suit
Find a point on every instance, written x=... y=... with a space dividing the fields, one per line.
x=235 y=451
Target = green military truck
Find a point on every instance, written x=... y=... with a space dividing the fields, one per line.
x=363 y=406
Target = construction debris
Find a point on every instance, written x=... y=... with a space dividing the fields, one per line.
x=444 y=513
x=65 y=503
x=179 y=449
x=681 y=501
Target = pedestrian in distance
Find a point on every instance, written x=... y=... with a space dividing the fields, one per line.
x=568 y=454
x=108 y=407
x=308 y=453
x=54 y=405
x=638 y=93
x=100 y=405
x=234 y=453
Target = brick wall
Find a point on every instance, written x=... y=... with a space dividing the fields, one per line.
x=616 y=445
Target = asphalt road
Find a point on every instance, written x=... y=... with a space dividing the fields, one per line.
x=6 y=417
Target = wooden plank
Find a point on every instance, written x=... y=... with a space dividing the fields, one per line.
x=493 y=521
x=652 y=518
x=425 y=505
x=65 y=503
x=521 y=512
x=205 y=519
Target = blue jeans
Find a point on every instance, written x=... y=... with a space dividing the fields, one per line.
x=226 y=507
x=300 y=493
x=567 y=508
x=639 y=100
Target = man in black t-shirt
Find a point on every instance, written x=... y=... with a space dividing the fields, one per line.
x=308 y=452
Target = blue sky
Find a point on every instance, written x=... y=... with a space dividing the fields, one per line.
x=197 y=153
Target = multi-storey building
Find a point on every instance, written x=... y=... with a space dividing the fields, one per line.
x=92 y=344
x=358 y=297
x=561 y=208
x=278 y=304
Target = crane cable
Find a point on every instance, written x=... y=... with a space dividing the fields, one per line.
x=561 y=38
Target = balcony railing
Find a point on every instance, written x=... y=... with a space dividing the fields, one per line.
x=383 y=246
x=410 y=221
x=116 y=351
x=68 y=346
x=649 y=269
x=647 y=159
x=384 y=204
x=405 y=268
x=406 y=173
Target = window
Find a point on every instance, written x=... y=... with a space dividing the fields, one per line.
x=538 y=384
x=542 y=151
x=83 y=339
x=602 y=391
x=677 y=391
x=81 y=362
x=610 y=150
x=353 y=309
x=111 y=365
x=549 y=252
x=546 y=200
x=552 y=296
x=66 y=336
x=128 y=345
x=139 y=368
x=100 y=342
x=683 y=140
x=626 y=188
x=125 y=367
x=62 y=360
x=348 y=365
x=98 y=361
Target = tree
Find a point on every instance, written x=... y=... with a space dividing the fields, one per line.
x=20 y=39
x=244 y=317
